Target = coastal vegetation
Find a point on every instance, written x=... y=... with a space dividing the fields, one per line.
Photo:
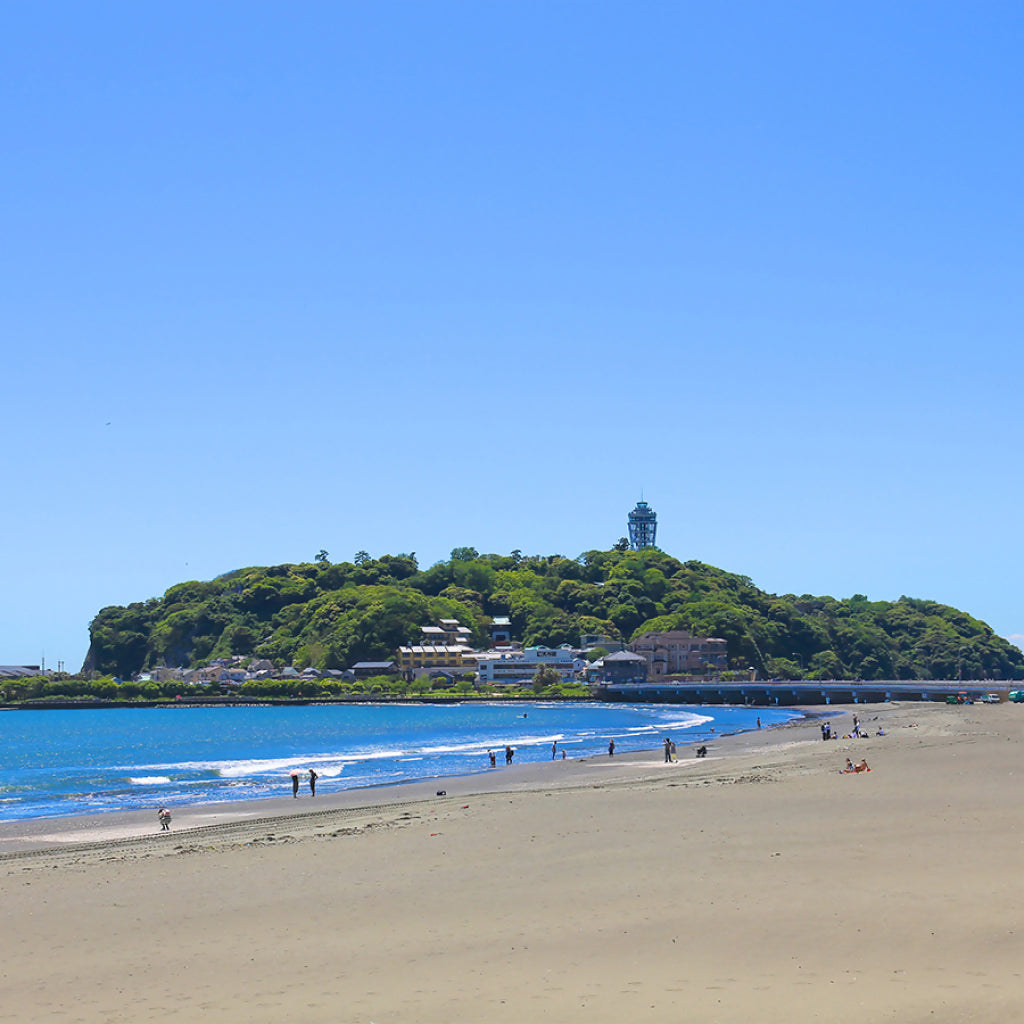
x=330 y=615
x=63 y=689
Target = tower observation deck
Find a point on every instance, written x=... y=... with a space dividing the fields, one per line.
x=643 y=526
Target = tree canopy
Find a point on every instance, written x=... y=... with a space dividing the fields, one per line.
x=331 y=615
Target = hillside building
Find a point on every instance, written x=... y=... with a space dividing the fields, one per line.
x=432 y=656
x=677 y=653
x=501 y=630
x=520 y=666
x=622 y=667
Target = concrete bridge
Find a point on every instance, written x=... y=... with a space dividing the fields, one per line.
x=804 y=691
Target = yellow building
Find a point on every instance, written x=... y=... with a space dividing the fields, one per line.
x=432 y=656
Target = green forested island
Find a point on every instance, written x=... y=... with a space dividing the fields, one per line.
x=332 y=614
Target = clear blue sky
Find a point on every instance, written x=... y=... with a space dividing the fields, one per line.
x=406 y=276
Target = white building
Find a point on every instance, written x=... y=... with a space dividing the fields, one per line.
x=507 y=666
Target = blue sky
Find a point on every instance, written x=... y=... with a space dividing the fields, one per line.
x=407 y=276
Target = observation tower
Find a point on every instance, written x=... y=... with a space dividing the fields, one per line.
x=643 y=525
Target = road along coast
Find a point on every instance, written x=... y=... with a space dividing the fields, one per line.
x=758 y=883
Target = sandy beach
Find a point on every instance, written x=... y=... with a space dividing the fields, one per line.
x=758 y=884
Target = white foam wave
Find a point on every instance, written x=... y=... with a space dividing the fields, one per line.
x=649 y=730
x=257 y=766
x=479 y=746
x=149 y=780
x=689 y=723
x=327 y=765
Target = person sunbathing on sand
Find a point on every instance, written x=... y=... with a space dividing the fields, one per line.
x=862 y=767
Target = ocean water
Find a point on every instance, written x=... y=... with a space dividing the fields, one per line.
x=55 y=763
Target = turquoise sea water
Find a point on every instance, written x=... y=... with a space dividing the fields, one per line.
x=83 y=762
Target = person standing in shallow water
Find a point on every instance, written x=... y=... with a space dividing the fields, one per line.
x=295 y=784
x=611 y=748
x=312 y=781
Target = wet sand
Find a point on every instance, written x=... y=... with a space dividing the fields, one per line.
x=756 y=884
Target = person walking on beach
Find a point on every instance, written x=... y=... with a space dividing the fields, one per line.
x=509 y=754
x=759 y=721
x=312 y=781
x=554 y=747
x=295 y=784
x=164 y=816
x=490 y=754
x=668 y=750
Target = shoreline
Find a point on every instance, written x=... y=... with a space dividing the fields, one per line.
x=35 y=835
x=759 y=883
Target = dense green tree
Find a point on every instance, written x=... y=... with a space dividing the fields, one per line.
x=546 y=676
x=331 y=615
